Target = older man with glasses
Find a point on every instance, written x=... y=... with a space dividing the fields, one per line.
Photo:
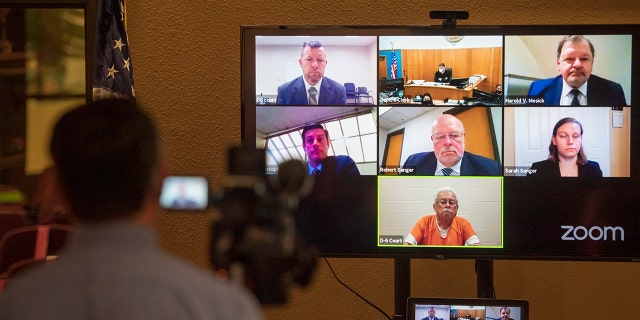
x=443 y=228
x=448 y=157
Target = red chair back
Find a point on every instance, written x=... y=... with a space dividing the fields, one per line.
x=35 y=241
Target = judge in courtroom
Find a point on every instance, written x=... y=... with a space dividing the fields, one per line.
x=443 y=74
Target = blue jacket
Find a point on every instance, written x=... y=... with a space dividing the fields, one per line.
x=425 y=164
x=600 y=92
x=339 y=166
x=295 y=93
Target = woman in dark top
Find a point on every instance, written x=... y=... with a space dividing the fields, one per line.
x=566 y=156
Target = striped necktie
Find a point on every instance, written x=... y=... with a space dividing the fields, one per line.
x=315 y=172
x=446 y=171
x=313 y=100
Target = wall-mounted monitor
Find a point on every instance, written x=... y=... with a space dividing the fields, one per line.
x=534 y=157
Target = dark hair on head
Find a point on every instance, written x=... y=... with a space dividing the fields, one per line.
x=441 y=64
x=106 y=153
x=574 y=39
x=505 y=308
x=314 y=126
x=311 y=44
x=426 y=99
x=553 y=149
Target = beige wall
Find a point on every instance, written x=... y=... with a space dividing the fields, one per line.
x=187 y=73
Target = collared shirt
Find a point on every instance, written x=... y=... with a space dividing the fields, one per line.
x=317 y=86
x=118 y=271
x=427 y=232
x=566 y=97
x=310 y=168
x=455 y=168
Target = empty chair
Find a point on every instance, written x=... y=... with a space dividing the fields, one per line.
x=362 y=92
x=350 y=88
x=35 y=241
x=9 y=221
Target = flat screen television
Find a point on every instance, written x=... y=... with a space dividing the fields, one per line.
x=518 y=213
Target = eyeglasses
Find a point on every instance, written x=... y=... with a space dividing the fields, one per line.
x=453 y=136
x=444 y=202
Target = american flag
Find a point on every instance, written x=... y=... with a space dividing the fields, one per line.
x=394 y=65
x=113 y=74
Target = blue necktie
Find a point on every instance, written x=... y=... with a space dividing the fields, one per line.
x=446 y=171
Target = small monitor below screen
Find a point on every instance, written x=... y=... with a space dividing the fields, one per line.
x=453 y=308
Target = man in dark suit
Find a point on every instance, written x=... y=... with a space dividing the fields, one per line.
x=443 y=75
x=505 y=313
x=448 y=156
x=432 y=315
x=312 y=87
x=315 y=142
x=576 y=86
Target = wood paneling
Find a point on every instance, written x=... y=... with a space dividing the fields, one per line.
x=422 y=64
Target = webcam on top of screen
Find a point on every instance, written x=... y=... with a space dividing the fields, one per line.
x=449 y=18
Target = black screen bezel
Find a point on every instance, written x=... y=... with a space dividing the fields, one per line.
x=561 y=251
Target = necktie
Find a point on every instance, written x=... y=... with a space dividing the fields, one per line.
x=575 y=102
x=315 y=172
x=313 y=100
x=446 y=171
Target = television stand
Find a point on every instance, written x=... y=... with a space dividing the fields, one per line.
x=401 y=287
x=484 y=280
x=402 y=284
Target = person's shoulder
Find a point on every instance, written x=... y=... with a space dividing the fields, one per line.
x=291 y=83
x=341 y=165
x=542 y=163
x=593 y=169
x=540 y=84
x=594 y=79
x=478 y=159
x=203 y=285
x=421 y=156
x=342 y=158
x=328 y=82
x=473 y=164
x=546 y=81
x=332 y=82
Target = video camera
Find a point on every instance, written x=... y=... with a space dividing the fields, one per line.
x=254 y=242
